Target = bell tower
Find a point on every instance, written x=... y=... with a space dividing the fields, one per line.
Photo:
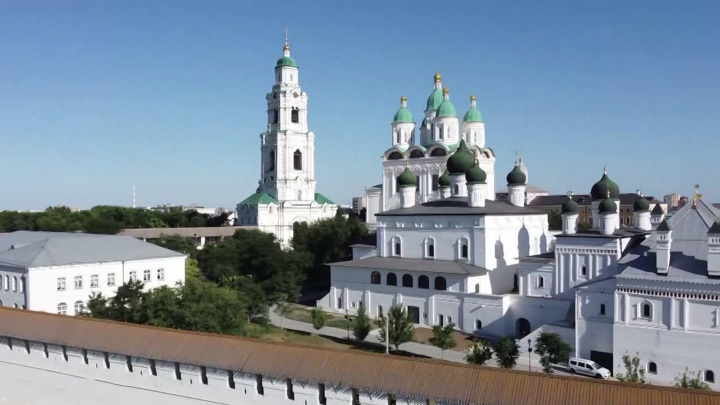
x=287 y=165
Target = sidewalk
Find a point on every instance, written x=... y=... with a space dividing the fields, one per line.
x=411 y=347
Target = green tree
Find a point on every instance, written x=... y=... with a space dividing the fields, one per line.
x=633 y=371
x=282 y=306
x=103 y=226
x=191 y=268
x=479 y=353
x=206 y=307
x=400 y=328
x=161 y=307
x=319 y=317
x=126 y=302
x=554 y=221
x=361 y=327
x=691 y=380
x=442 y=337
x=97 y=306
x=552 y=350
x=177 y=243
x=506 y=352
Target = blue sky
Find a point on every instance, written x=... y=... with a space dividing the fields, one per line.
x=168 y=96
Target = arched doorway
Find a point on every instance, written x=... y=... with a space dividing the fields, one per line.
x=522 y=328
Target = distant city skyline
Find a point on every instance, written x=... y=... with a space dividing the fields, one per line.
x=168 y=96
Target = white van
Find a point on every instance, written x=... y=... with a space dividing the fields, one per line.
x=587 y=367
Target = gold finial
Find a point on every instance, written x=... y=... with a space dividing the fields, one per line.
x=445 y=91
x=696 y=195
x=437 y=76
x=403 y=99
x=472 y=98
x=286 y=47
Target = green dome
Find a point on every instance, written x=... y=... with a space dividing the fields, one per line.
x=406 y=178
x=434 y=101
x=461 y=161
x=641 y=204
x=473 y=115
x=285 y=61
x=446 y=109
x=444 y=180
x=569 y=206
x=605 y=188
x=402 y=115
x=475 y=174
x=607 y=206
x=516 y=176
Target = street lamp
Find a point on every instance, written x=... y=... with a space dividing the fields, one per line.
x=529 y=351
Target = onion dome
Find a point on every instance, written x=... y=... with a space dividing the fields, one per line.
x=286 y=60
x=406 y=178
x=403 y=114
x=476 y=174
x=607 y=206
x=461 y=161
x=446 y=109
x=435 y=98
x=444 y=180
x=516 y=176
x=641 y=204
x=473 y=114
x=569 y=206
x=604 y=186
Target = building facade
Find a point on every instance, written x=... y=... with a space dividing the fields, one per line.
x=672 y=201
x=286 y=193
x=57 y=272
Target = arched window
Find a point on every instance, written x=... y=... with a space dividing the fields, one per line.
x=297 y=160
x=416 y=154
x=478 y=324
x=7 y=283
x=463 y=250
x=79 y=307
x=423 y=282
x=391 y=279
x=583 y=270
x=271 y=161
x=62 y=308
x=652 y=368
x=407 y=280
x=295 y=115
x=646 y=310
x=709 y=376
x=438 y=152
x=275 y=116
x=540 y=282
x=397 y=248
x=440 y=283
x=457 y=189
x=395 y=156
x=477 y=288
x=602 y=309
x=14 y=283
x=22 y=284
x=374 y=277
x=430 y=248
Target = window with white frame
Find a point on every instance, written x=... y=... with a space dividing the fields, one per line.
x=709 y=376
x=430 y=248
x=14 y=284
x=146 y=275
x=61 y=284
x=78 y=281
x=396 y=246
x=7 y=283
x=463 y=248
x=540 y=282
x=62 y=308
x=22 y=284
x=111 y=279
x=645 y=310
x=133 y=276
x=161 y=274
x=94 y=283
x=79 y=307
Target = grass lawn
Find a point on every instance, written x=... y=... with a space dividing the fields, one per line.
x=302 y=313
x=462 y=342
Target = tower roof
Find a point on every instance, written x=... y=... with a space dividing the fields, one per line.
x=641 y=204
x=407 y=178
x=286 y=59
x=604 y=186
x=476 y=174
x=516 y=176
x=473 y=114
x=446 y=108
x=657 y=210
x=607 y=206
x=569 y=206
x=461 y=161
x=403 y=114
x=444 y=180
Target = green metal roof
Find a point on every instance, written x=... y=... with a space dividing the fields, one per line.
x=259 y=198
x=286 y=61
x=407 y=178
x=446 y=109
x=434 y=101
x=402 y=115
x=321 y=199
x=473 y=115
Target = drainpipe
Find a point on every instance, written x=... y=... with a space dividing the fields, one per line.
x=577 y=317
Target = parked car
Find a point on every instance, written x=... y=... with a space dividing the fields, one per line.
x=587 y=367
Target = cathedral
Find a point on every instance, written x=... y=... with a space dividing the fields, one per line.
x=286 y=190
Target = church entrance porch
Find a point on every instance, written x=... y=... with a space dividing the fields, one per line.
x=522 y=328
x=604 y=359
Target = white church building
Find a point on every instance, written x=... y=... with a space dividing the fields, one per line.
x=286 y=193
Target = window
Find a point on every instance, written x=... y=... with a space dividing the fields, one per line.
x=652 y=368
x=478 y=324
x=271 y=161
x=440 y=283
x=161 y=274
x=146 y=275
x=397 y=247
x=295 y=115
x=7 y=283
x=380 y=311
x=14 y=284
x=111 y=279
x=602 y=309
x=435 y=182
x=22 y=284
x=423 y=282
x=94 y=281
x=540 y=282
x=646 y=310
x=78 y=281
x=61 y=284
x=289 y=389
x=391 y=279
x=374 y=277
x=79 y=308
x=407 y=280
x=352 y=304
x=441 y=320
x=464 y=251
x=275 y=116
x=62 y=308
x=709 y=376
x=297 y=160
x=430 y=248
x=321 y=394
x=339 y=303
x=457 y=190
x=133 y=276
x=477 y=288
x=583 y=270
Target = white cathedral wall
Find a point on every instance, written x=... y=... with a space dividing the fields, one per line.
x=593 y=329
x=598 y=255
x=528 y=278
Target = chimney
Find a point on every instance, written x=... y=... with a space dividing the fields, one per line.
x=663 y=240
x=713 y=257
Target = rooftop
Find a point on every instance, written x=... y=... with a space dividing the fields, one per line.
x=207 y=231
x=41 y=249
x=584 y=199
x=459 y=206
x=422 y=265
x=444 y=381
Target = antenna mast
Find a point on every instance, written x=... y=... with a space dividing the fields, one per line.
x=133 y=196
